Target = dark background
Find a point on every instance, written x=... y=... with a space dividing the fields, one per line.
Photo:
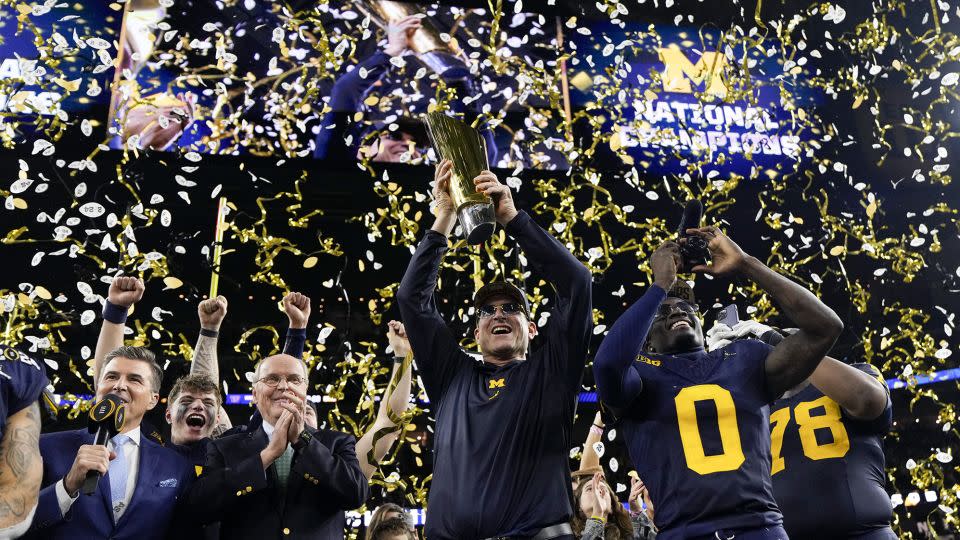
x=351 y=199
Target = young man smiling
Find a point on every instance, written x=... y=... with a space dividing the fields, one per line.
x=696 y=424
x=502 y=425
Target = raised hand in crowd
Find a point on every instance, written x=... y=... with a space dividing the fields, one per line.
x=503 y=205
x=397 y=337
x=599 y=498
x=124 y=293
x=400 y=34
x=211 y=312
x=297 y=307
x=392 y=404
x=665 y=263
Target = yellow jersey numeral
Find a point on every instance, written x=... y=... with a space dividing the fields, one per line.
x=830 y=419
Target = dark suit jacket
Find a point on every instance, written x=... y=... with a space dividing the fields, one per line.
x=325 y=479
x=164 y=477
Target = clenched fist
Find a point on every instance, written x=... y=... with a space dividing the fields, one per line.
x=211 y=312
x=297 y=307
x=397 y=336
x=125 y=291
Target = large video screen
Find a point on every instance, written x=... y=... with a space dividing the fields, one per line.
x=56 y=63
x=354 y=80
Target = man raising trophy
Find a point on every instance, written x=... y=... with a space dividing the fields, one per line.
x=503 y=424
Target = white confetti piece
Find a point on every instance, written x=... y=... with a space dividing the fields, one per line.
x=92 y=209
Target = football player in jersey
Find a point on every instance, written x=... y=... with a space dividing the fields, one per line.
x=827 y=444
x=22 y=380
x=696 y=424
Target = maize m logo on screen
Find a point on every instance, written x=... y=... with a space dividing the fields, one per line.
x=680 y=74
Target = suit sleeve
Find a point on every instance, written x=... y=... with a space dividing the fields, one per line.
x=572 y=317
x=345 y=99
x=335 y=468
x=218 y=485
x=618 y=384
x=881 y=424
x=48 y=509
x=438 y=354
x=295 y=342
x=186 y=520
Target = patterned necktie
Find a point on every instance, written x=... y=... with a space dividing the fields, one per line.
x=118 y=472
x=283 y=466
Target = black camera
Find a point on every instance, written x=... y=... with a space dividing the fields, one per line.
x=693 y=250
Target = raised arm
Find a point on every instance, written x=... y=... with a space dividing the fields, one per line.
x=546 y=255
x=572 y=316
x=21 y=468
x=797 y=356
x=123 y=293
x=438 y=352
x=618 y=384
x=386 y=427
x=589 y=457
x=297 y=307
x=862 y=397
x=211 y=313
x=351 y=88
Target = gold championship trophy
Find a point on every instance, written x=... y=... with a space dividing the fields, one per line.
x=443 y=58
x=454 y=140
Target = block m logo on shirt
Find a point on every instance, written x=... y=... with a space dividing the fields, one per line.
x=497 y=383
x=679 y=71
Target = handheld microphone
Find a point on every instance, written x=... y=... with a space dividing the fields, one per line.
x=694 y=251
x=105 y=420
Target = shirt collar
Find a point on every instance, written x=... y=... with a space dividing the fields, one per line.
x=268 y=428
x=134 y=435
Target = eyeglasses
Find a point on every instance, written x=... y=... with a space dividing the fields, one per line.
x=489 y=310
x=274 y=380
x=666 y=309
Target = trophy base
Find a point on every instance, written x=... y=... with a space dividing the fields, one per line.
x=478 y=222
x=445 y=65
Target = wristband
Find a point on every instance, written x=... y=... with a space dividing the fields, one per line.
x=114 y=313
x=399 y=359
x=209 y=333
x=596 y=429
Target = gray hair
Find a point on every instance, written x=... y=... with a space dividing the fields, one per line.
x=142 y=354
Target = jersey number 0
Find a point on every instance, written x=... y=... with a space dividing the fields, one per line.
x=697 y=459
